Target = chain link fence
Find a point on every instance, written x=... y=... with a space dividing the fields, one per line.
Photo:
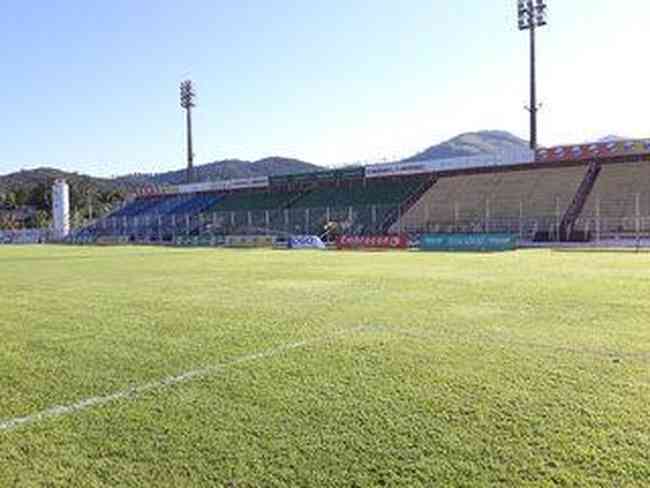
x=25 y=236
x=354 y=220
x=600 y=219
x=625 y=217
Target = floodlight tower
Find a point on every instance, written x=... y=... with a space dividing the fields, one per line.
x=187 y=102
x=532 y=15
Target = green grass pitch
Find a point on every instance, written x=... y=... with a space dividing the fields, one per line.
x=272 y=368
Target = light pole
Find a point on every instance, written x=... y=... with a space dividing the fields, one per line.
x=187 y=102
x=532 y=15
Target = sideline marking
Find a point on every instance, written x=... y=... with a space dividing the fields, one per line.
x=136 y=391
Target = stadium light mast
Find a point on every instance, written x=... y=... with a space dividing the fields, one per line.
x=532 y=15
x=187 y=102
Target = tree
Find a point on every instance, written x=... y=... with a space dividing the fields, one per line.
x=43 y=219
x=20 y=197
x=8 y=221
x=40 y=197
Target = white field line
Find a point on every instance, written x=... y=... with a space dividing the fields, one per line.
x=136 y=391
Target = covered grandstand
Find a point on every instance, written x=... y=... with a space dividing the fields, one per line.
x=574 y=192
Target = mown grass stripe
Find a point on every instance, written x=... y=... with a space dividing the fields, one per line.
x=135 y=391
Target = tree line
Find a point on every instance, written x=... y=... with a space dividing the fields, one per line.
x=87 y=202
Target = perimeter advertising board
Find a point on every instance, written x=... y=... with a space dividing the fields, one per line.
x=112 y=240
x=468 y=242
x=249 y=241
x=305 y=242
x=372 y=242
x=199 y=241
x=23 y=236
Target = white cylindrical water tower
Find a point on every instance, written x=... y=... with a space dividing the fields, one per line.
x=61 y=209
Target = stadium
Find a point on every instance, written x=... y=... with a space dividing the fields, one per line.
x=474 y=320
x=169 y=355
x=588 y=193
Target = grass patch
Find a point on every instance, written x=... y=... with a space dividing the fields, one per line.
x=528 y=367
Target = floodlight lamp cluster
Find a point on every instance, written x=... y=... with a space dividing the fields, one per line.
x=187 y=94
x=531 y=13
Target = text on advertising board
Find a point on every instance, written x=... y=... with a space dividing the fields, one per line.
x=379 y=242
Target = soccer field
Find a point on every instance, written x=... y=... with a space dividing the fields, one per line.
x=141 y=366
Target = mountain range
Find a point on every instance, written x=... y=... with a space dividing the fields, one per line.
x=471 y=144
x=468 y=144
x=226 y=170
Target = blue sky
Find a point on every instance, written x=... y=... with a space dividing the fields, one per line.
x=93 y=86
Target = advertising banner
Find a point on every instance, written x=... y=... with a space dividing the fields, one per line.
x=249 y=241
x=468 y=242
x=198 y=241
x=372 y=242
x=82 y=239
x=326 y=175
x=112 y=240
x=305 y=242
x=351 y=173
x=258 y=182
x=499 y=158
x=23 y=236
x=314 y=177
x=199 y=187
x=398 y=169
x=220 y=185
x=583 y=152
